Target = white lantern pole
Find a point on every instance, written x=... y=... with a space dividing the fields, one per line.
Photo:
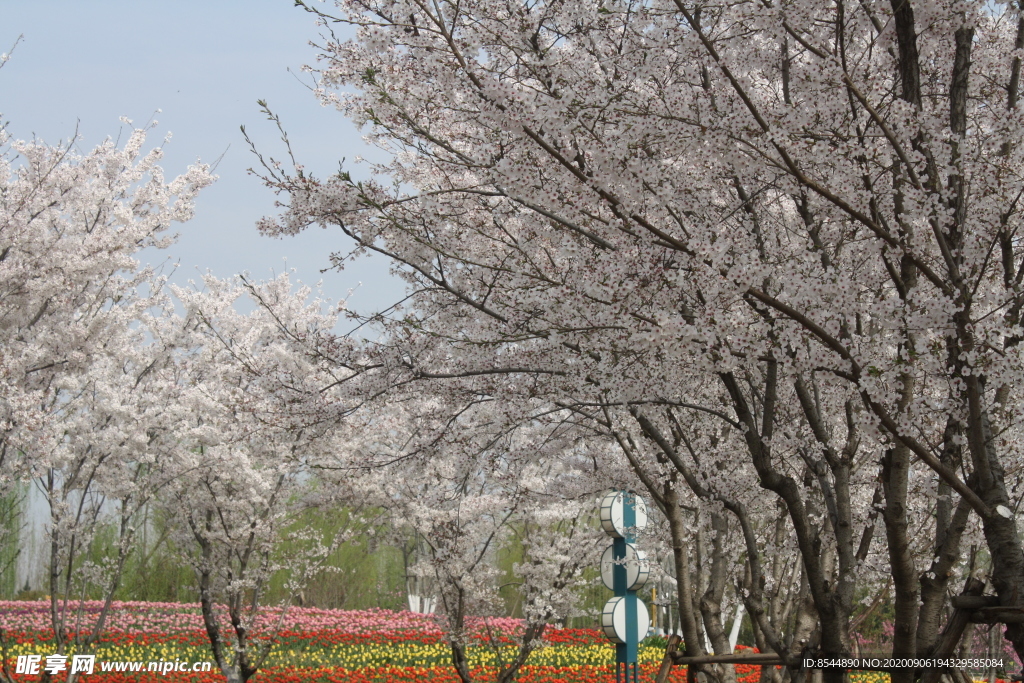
x=625 y=570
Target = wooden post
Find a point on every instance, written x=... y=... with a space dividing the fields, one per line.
x=666 y=664
x=954 y=630
x=673 y=657
x=756 y=658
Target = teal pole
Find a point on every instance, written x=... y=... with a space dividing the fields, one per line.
x=626 y=653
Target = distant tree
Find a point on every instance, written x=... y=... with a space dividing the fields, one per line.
x=12 y=520
x=467 y=486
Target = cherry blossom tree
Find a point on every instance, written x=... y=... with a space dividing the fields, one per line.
x=71 y=226
x=80 y=387
x=257 y=418
x=116 y=453
x=467 y=484
x=786 y=230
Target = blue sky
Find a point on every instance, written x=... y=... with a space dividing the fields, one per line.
x=85 y=63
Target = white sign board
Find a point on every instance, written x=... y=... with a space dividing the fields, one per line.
x=613 y=620
x=613 y=511
x=638 y=569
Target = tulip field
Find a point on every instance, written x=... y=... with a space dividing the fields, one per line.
x=332 y=646
x=328 y=646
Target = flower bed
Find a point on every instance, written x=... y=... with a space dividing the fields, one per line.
x=335 y=646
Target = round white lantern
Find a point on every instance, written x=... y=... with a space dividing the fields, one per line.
x=638 y=569
x=613 y=508
x=613 y=620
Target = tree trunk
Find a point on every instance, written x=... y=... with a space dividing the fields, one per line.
x=677 y=527
x=895 y=480
x=711 y=601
